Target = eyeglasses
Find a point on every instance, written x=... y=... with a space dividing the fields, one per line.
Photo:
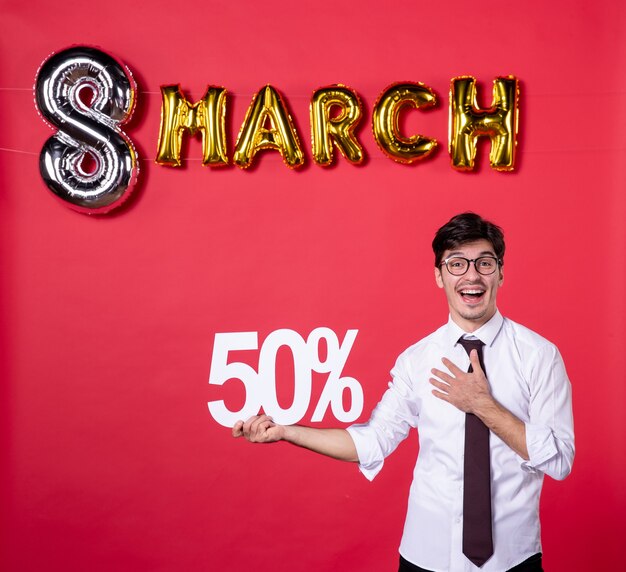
x=485 y=265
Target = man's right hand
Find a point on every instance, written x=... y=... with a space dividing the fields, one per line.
x=259 y=429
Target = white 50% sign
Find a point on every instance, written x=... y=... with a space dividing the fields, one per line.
x=260 y=387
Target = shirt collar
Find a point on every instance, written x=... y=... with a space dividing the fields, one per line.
x=486 y=333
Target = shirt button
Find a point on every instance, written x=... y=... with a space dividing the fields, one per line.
x=458 y=521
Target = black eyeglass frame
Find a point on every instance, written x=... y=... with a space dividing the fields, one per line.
x=469 y=261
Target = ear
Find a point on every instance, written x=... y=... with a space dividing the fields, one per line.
x=438 y=277
x=501 y=280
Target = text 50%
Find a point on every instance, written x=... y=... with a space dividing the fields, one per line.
x=260 y=387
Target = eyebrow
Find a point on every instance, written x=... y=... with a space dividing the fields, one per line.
x=461 y=253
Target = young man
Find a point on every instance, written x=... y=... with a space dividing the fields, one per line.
x=492 y=403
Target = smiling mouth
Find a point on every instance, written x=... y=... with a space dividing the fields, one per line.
x=472 y=295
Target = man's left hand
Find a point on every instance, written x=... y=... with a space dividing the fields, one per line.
x=466 y=391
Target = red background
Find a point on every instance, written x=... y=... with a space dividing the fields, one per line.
x=110 y=459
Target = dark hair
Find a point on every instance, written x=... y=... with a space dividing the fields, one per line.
x=467 y=227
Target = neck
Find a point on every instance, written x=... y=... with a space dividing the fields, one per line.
x=471 y=325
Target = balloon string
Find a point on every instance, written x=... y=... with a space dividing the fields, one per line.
x=371 y=157
x=308 y=95
x=231 y=93
x=17 y=151
x=36 y=154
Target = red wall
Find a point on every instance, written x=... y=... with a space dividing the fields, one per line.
x=110 y=458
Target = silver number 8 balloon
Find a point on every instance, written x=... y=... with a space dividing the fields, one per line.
x=87 y=94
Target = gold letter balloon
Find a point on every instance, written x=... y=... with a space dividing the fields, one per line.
x=206 y=116
x=86 y=95
x=328 y=127
x=386 y=116
x=267 y=125
x=498 y=122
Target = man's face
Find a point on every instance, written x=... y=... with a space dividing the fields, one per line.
x=472 y=296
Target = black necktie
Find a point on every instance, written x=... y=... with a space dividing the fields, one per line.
x=477 y=536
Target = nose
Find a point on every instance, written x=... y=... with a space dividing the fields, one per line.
x=472 y=273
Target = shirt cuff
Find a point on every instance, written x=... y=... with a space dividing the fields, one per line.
x=371 y=459
x=541 y=446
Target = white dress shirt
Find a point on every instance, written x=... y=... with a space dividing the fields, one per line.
x=527 y=376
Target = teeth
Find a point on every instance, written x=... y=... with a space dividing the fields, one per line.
x=472 y=292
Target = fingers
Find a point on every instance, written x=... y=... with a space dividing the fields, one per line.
x=454 y=369
x=238 y=429
x=475 y=361
x=444 y=382
x=443 y=388
x=255 y=429
x=442 y=375
x=256 y=424
x=440 y=395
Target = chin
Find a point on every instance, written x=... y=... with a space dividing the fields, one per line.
x=477 y=315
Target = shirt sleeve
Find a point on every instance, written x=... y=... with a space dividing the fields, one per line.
x=550 y=430
x=389 y=424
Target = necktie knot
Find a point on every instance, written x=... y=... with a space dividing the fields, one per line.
x=470 y=345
